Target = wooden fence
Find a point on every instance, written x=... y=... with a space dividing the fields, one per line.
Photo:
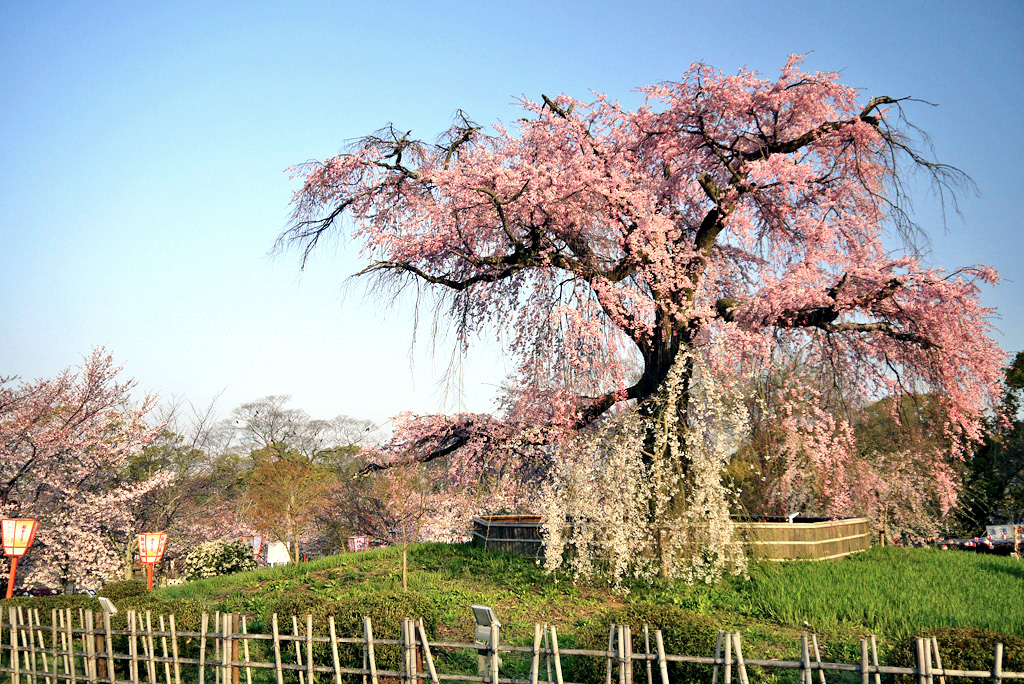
x=81 y=648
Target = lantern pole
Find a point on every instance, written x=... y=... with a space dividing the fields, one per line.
x=10 y=580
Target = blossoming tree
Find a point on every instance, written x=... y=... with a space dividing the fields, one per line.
x=629 y=258
x=64 y=443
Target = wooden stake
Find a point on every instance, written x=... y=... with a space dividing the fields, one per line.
x=245 y=651
x=874 y=660
x=90 y=649
x=741 y=666
x=368 y=635
x=334 y=650
x=805 y=661
x=429 y=657
x=554 y=648
x=718 y=657
x=662 y=663
x=997 y=666
x=71 y=646
x=108 y=648
x=298 y=649
x=647 y=652
x=133 y=648
x=620 y=655
x=817 y=658
x=309 y=649
x=938 y=658
x=163 y=651
x=611 y=654
x=204 y=624
x=727 y=678
x=535 y=660
x=174 y=649
x=152 y=649
x=277 y=651
x=547 y=651
x=864 y=661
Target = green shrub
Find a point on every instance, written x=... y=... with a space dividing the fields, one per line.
x=121 y=589
x=211 y=559
x=385 y=609
x=683 y=633
x=46 y=604
x=964 y=648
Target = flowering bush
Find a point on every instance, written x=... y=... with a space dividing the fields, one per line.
x=219 y=558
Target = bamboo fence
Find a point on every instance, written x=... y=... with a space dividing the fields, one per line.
x=777 y=540
x=80 y=648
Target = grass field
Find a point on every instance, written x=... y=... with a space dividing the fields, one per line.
x=892 y=593
x=889 y=592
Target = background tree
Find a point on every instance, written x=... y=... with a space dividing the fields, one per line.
x=64 y=446
x=994 y=477
x=694 y=234
x=285 y=492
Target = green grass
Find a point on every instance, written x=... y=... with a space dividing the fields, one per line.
x=889 y=592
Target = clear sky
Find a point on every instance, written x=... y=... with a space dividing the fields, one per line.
x=144 y=148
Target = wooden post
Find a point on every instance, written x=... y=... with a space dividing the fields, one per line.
x=535 y=653
x=133 y=649
x=334 y=651
x=245 y=651
x=204 y=624
x=217 y=638
x=727 y=678
x=547 y=652
x=406 y=653
x=662 y=663
x=556 y=654
x=277 y=651
x=90 y=647
x=874 y=659
x=718 y=658
x=224 y=666
x=863 y=661
x=647 y=653
x=817 y=658
x=927 y=645
x=627 y=647
x=309 y=649
x=741 y=667
x=368 y=635
x=429 y=657
x=15 y=660
x=31 y=666
x=152 y=648
x=236 y=672
x=938 y=659
x=298 y=649
x=163 y=651
x=59 y=621
x=805 y=661
x=69 y=626
x=174 y=649
x=620 y=655
x=919 y=660
x=109 y=663
x=611 y=655
x=997 y=666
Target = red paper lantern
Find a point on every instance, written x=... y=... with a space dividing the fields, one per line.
x=18 y=535
x=255 y=541
x=151 y=550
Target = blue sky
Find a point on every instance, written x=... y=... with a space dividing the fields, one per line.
x=144 y=148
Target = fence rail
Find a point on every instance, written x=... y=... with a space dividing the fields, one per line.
x=153 y=651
